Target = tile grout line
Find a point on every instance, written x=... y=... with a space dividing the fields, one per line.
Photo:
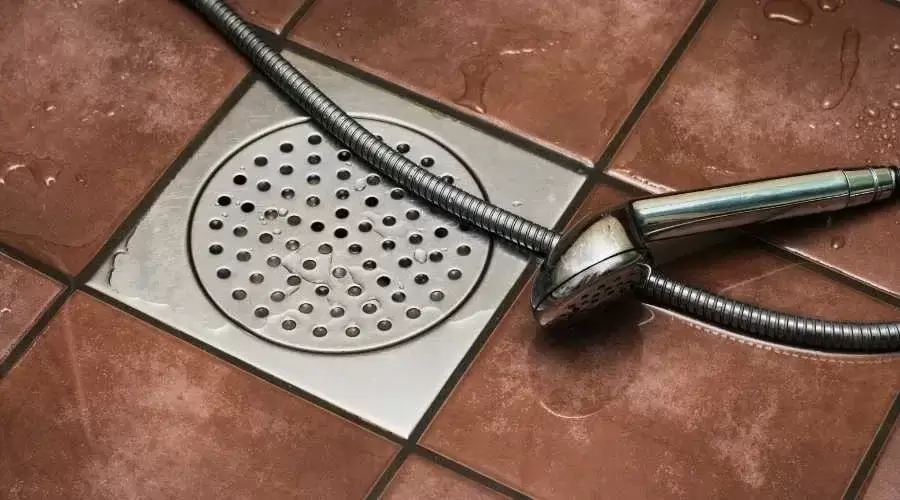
x=469 y=473
x=868 y=462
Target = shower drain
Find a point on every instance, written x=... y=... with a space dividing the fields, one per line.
x=297 y=242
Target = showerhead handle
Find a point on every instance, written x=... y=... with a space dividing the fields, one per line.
x=682 y=214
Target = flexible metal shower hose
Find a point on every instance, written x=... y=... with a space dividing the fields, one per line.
x=770 y=325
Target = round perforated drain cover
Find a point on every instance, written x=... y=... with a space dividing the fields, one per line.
x=298 y=242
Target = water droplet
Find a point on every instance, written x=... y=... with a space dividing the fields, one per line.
x=830 y=5
x=50 y=108
x=754 y=36
x=849 y=64
x=253 y=12
x=420 y=255
x=895 y=47
x=838 y=242
x=355 y=59
x=872 y=112
x=517 y=203
x=476 y=72
x=282 y=212
x=793 y=12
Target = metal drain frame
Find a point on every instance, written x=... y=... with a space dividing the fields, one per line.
x=249 y=141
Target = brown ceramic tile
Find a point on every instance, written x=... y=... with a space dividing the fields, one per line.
x=885 y=482
x=98 y=99
x=24 y=294
x=105 y=406
x=641 y=403
x=746 y=102
x=269 y=14
x=421 y=479
x=566 y=73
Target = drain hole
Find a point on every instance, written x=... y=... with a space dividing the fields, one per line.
x=384 y=325
x=373 y=180
x=293 y=280
x=223 y=273
x=292 y=245
x=342 y=194
x=240 y=179
x=352 y=331
x=309 y=264
x=266 y=238
x=273 y=261
x=286 y=147
x=287 y=193
x=336 y=312
x=286 y=169
x=277 y=296
x=313 y=201
x=215 y=249
x=383 y=281
x=421 y=279
x=371 y=201
x=355 y=249
x=322 y=290
x=464 y=250
x=240 y=231
x=263 y=186
x=369 y=308
x=260 y=161
x=289 y=324
x=313 y=159
x=341 y=213
x=436 y=256
x=412 y=214
x=239 y=294
x=261 y=312
x=320 y=331
x=398 y=296
x=415 y=238
x=339 y=272
x=388 y=244
x=354 y=291
x=343 y=175
x=365 y=226
x=294 y=220
x=340 y=233
x=427 y=162
x=413 y=313
x=403 y=147
x=343 y=155
x=397 y=194
x=313 y=179
x=305 y=308
x=257 y=278
x=405 y=262
x=215 y=224
x=369 y=265
x=389 y=220
x=314 y=139
x=436 y=296
x=441 y=232
x=325 y=249
x=454 y=274
x=243 y=256
x=247 y=207
x=270 y=214
x=224 y=201
x=317 y=226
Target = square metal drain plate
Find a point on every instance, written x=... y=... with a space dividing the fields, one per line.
x=278 y=247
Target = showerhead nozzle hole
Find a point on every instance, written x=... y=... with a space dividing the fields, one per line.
x=263 y=186
x=441 y=232
x=215 y=224
x=286 y=147
x=260 y=161
x=427 y=162
x=223 y=201
x=287 y=193
x=286 y=169
x=239 y=231
x=403 y=148
x=397 y=194
x=247 y=207
x=341 y=213
x=313 y=159
x=314 y=139
x=343 y=155
x=340 y=233
x=240 y=179
x=371 y=201
x=215 y=249
x=317 y=226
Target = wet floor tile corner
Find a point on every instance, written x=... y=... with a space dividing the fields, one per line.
x=530 y=67
x=145 y=414
x=805 y=86
x=24 y=295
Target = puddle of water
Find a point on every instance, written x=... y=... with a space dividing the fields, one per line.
x=476 y=72
x=793 y=12
x=849 y=65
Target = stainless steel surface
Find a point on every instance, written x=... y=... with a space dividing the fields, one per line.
x=681 y=214
x=597 y=261
x=151 y=271
x=299 y=242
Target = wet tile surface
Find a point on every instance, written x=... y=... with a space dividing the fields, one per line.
x=24 y=294
x=421 y=479
x=98 y=99
x=105 y=406
x=640 y=403
x=754 y=98
x=269 y=14
x=885 y=482
x=566 y=73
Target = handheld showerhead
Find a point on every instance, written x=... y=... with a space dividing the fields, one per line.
x=606 y=256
